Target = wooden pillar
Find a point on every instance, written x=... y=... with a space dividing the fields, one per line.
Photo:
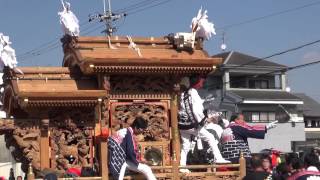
x=242 y=162
x=103 y=146
x=104 y=83
x=44 y=144
x=175 y=133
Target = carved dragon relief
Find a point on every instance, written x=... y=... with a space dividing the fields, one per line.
x=123 y=114
x=71 y=134
x=140 y=84
x=22 y=138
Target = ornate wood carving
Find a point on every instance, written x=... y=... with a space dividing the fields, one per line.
x=71 y=136
x=23 y=140
x=140 y=84
x=153 y=69
x=123 y=114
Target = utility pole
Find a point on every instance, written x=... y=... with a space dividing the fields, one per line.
x=108 y=17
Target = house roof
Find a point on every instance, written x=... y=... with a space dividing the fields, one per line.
x=264 y=95
x=237 y=58
x=310 y=107
x=93 y=55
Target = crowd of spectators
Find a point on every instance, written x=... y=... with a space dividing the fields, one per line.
x=294 y=166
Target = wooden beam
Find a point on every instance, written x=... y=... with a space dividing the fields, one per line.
x=104 y=170
x=44 y=145
x=104 y=159
x=175 y=136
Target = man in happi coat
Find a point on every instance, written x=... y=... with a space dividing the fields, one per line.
x=123 y=151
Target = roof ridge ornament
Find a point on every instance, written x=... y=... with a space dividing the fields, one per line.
x=201 y=29
x=201 y=26
x=7 y=55
x=68 y=20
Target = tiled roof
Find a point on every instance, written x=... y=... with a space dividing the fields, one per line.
x=310 y=107
x=237 y=58
x=265 y=95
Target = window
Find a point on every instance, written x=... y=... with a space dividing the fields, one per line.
x=272 y=116
x=255 y=117
x=264 y=116
x=258 y=84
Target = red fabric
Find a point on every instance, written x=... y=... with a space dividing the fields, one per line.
x=274 y=160
x=245 y=125
x=75 y=171
x=303 y=173
x=199 y=83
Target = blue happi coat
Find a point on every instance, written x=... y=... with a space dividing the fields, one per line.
x=121 y=148
x=235 y=140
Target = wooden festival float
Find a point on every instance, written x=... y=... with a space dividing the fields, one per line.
x=63 y=112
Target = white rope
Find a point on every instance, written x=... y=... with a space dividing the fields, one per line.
x=133 y=46
x=62 y=2
x=110 y=45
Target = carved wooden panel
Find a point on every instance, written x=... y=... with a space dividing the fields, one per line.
x=23 y=140
x=71 y=139
x=156 y=113
x=142 y=84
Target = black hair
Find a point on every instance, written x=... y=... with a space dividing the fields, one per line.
x=140 y=123
x=234 y=116
x=296 y=163
x=266 y=156
x=311 y=159
x=256 y=161
x=289 y=157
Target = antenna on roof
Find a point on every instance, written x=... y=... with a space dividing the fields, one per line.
x=108 y=17
x=223 y=45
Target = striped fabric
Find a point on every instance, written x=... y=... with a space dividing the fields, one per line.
x=117 y=157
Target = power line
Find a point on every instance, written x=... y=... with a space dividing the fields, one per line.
x=57 y=44
x=267 y=57
x=268 y=16
x=298 y=66
x=53 y=44
x=278 y=53
x=44 y=45
x=136 y=5
x=148 y=7
x=285 y=69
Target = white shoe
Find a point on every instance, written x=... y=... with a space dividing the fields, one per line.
x=222 y=161
x=186 y=171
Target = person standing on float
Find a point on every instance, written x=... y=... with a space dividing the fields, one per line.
x=235 y=137
x=191 y=122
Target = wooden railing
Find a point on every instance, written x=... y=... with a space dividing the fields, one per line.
x=230 y=171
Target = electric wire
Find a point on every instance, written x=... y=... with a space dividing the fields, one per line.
x=268 y=16
x=278 y=53
x=53 y=44
x=285 y=69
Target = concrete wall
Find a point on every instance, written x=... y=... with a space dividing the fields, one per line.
x=279 y=138
x=7 y=161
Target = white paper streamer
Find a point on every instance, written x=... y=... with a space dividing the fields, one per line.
x=201 y=26
x=68 y=21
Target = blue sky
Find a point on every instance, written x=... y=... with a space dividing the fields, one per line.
x=32 y=23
